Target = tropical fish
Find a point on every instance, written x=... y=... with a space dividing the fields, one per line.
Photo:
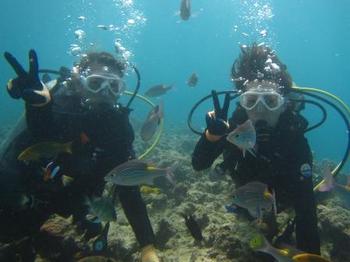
x=193 y=227
x=256 y=198
x=103 y=27
x=150 y=190
x=150 y=125
x=192 y=80
x=259 y=243
x=185 y=9
x=244 y=137
x=328 y=182
x=82 y=18
x=46 y=150
x=101 y=209
x=137 y=172
x=158 y=90
x=52 y=172
x=97 y=259
x=101 y=242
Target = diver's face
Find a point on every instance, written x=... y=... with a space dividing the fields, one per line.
x=100 y=85
x=263 y=102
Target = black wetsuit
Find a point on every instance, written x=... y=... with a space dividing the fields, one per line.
x=280 y=154
x=108 y=138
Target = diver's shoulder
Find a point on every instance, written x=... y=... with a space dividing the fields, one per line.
x=293 y=121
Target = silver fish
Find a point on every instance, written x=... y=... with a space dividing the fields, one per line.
x=244 y=137
x=158 y=90
x=137 y=172
x=185 y=9
x=150 y=125
x=101 y=208
x=192 y=80
x=256 y=198
x=328 y=182
x=103 y=27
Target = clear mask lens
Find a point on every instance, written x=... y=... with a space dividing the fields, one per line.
x=97 y=83
x=271 y=100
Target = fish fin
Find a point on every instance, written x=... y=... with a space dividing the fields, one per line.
x=258 y=213
x=236 y=166
x=251 y=150
x=253 y=212
x=264 y=245
x=243 y=151
x=67 y=180
x=92 y=218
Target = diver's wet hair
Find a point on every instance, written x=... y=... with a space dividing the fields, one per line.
x=259 y=62
x=102 y=58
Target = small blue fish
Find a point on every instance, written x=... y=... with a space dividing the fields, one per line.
x=244 y=137
x=101 y=242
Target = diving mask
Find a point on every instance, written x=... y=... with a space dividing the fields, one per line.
x=271 y=99
x=96 y=83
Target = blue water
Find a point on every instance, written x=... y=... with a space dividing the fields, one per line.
x=311 y=37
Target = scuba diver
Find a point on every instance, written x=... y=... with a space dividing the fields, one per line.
x=282 y=158
x=83 y=111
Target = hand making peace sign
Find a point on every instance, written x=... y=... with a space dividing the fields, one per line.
x=27 y=85
x=217 y=120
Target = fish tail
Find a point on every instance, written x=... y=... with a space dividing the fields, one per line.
x=68 y=147
x=66 y=180
x=274 y=202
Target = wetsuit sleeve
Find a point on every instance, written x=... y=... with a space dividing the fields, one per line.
x=304 y=203
x=39 y=119
x=206 y=152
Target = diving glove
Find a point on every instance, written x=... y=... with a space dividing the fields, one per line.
x=216 y=120
x=148 y=254
x=27 y=85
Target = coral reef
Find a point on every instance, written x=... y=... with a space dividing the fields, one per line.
x=204 y=194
